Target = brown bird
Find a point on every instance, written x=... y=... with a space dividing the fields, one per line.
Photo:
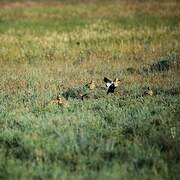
x=91 y=85
x=60 y=101
x=148 y=92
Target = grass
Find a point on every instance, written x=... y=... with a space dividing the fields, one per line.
x=50 y=48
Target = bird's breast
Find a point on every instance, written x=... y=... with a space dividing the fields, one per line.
x=108 y=84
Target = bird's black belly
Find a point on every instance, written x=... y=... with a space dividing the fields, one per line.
x=111 y=89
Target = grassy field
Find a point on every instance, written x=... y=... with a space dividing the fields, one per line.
x=56 y=47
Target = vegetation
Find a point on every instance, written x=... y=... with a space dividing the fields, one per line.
x=50 y=48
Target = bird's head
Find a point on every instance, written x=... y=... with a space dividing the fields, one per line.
x=92 y=82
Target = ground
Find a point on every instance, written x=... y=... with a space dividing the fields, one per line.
x=50 y=48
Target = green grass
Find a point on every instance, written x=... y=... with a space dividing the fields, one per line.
x=147 y=20
x=50 y=48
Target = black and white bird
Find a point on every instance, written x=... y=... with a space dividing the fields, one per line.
x=111 y=85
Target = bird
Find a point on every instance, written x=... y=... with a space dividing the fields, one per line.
x=91 y=85
x=59 y=101
x=87 y=89
x=148 y=92
x=111 y=85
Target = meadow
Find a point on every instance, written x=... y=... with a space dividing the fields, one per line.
x=51 y=47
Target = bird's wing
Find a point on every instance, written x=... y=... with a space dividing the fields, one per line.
x=106 y=80
x=115 y=80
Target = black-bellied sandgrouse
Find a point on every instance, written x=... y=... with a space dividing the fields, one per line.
x=111 y=85
x=91 y=85
x=148 y=92
x=60 y=101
